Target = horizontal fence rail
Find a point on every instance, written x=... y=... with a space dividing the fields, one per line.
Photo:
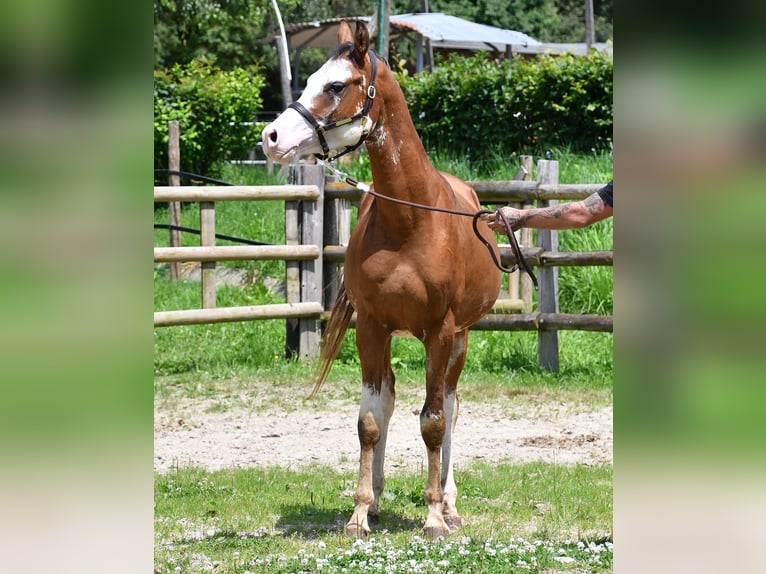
x=530 y=321
x=229 y=314
x=502 y=191
x=236 y=253
x=534 y=256
x=544 y=322
x=165 y=194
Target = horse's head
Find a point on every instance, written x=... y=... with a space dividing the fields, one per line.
x=333 y=113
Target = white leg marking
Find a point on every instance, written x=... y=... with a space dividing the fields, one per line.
x=386 y=404
x=448 y=480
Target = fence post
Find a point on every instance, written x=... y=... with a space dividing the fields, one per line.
x=292 y=268
x=207 y=239
x=331 y=236
x=174 y=207
x=303 y=226
x=548 y=297
x=311 y=270
x=526 y=240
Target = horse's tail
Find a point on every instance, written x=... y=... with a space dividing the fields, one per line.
x=335 y=330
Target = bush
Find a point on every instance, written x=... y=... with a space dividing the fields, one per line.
x=214 y=109
x=475 y=106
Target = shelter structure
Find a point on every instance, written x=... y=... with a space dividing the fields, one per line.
x=442 y=30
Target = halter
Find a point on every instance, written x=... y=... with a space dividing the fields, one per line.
x=320 y=129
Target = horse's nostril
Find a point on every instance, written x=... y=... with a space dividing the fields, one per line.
x=273 y=136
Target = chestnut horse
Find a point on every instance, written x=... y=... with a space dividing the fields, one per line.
x=408 y=271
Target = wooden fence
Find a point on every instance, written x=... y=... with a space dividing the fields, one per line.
x=317 y=228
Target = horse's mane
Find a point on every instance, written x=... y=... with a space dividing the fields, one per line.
x=343 y=49
x=340 y=50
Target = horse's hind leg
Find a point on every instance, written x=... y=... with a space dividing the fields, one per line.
x=451 y=407
x=377 y=404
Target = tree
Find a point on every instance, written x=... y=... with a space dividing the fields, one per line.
x=545 y=20
x=224 y=32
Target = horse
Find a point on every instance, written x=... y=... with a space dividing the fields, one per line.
x=408 y=271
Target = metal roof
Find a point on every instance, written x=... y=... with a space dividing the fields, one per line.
x=443 y=30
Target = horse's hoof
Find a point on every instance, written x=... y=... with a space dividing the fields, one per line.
x=453 y=522
x=354 y=530
x=435 y=532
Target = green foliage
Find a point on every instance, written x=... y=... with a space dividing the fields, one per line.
x=215 y=110
x=586 y=289
x=231 y=33
x=477 y=107
x=226 y=32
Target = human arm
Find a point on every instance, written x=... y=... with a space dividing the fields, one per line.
x=569 y=215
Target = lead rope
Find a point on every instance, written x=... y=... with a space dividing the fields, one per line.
x=515 y=249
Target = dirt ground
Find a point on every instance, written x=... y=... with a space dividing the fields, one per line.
x=201 y=433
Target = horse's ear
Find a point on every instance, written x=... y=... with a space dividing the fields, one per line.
x=344 y=33
x=361 y=43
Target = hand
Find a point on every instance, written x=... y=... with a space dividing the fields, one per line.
x=514 y=217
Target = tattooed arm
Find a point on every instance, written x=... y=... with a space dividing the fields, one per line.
x=563 y=216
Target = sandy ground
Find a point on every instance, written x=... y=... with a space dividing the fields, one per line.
x=197 y=433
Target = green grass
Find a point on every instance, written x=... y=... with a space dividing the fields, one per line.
x=244 y=350
x=530 y=518
x=587 y=290
x=259 y=221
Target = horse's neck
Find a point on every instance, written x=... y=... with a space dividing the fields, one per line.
x=401 y=168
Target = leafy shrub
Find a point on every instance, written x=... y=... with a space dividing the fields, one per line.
x=213 y=108
x=476 y=106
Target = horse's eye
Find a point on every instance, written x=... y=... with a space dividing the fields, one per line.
x=336 y=87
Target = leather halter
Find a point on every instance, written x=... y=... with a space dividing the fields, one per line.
x=320 y=129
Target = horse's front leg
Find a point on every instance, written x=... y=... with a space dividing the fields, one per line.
x=451 y=407
x=375 y=409
x=433 y=425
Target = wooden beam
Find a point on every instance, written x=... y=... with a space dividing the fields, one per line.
x=544 y=322
x=548 y=295
x=531 y=322
x=229 y=314
x=174 y=207
x=236 y=253
x=207 y=239
x=235 y=193
x=534 y=256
